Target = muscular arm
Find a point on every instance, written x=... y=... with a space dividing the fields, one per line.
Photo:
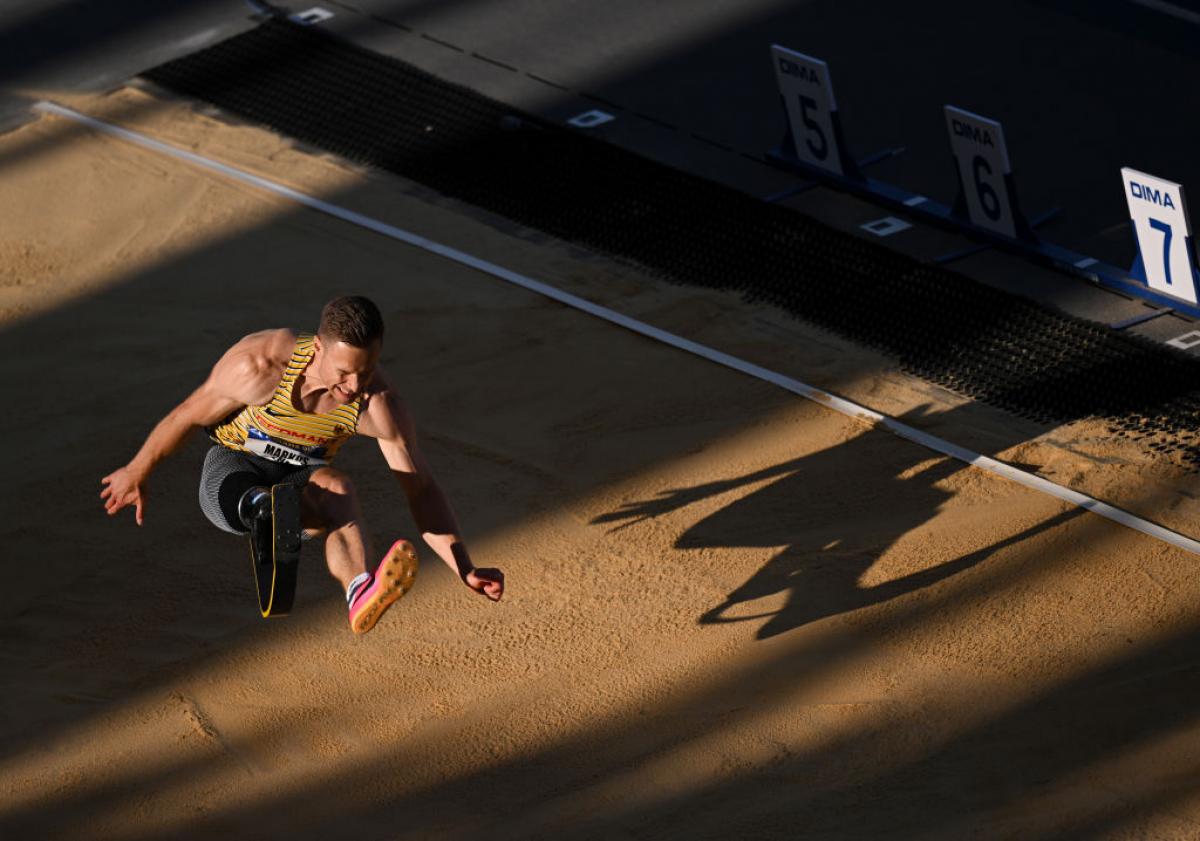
x=238 y=379
x=387 y=420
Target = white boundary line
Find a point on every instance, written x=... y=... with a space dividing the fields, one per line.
x=831 y=401
x=1170 y=9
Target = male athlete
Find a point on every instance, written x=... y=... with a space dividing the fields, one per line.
x=278 y=406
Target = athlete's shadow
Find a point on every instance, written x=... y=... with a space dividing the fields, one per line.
x=835 y=512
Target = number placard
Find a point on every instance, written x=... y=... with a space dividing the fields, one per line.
x=983 y=169
x=1160 y=223
x=808 y=97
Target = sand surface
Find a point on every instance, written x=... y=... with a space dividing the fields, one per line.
x=731 y=612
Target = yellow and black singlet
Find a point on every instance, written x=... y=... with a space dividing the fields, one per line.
x=280 y=432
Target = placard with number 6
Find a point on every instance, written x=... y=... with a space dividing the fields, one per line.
x=983 y=171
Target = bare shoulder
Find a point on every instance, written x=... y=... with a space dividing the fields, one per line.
x=384 y=416
x=251 y=368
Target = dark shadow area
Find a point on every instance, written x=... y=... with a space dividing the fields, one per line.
x=1057 y=75
x=76 y=41
x=836 y=511
x=74 y=36
x=47 y=34
x=984 y=782
x=1136 y=22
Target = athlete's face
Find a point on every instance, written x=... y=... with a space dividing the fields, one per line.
x=344 y=369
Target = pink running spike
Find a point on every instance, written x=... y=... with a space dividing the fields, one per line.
x=392 y=579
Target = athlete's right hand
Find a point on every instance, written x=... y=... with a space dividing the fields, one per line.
x=123 y=487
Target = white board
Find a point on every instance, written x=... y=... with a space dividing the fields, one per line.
x=983 y=169
x=808 y=97
x=1160 y=223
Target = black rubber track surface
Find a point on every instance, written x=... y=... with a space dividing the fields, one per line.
x=939 y=325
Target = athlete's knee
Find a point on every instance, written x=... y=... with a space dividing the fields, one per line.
x=330 y=499
x=329 y=481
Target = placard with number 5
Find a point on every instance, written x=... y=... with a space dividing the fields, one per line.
x=811 y=109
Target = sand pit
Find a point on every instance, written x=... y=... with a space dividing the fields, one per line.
x=731 y=613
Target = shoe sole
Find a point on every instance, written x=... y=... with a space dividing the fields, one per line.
x=393 y=579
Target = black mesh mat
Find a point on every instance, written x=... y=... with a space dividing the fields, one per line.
x=937 y=324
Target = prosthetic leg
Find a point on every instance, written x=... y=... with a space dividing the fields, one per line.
x=273 y=517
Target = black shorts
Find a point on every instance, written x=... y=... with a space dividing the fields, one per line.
x=227 y=474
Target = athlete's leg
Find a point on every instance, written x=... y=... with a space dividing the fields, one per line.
x=226 y=484
x=329 y=507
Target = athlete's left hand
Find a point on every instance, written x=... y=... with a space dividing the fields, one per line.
x=489 y=582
